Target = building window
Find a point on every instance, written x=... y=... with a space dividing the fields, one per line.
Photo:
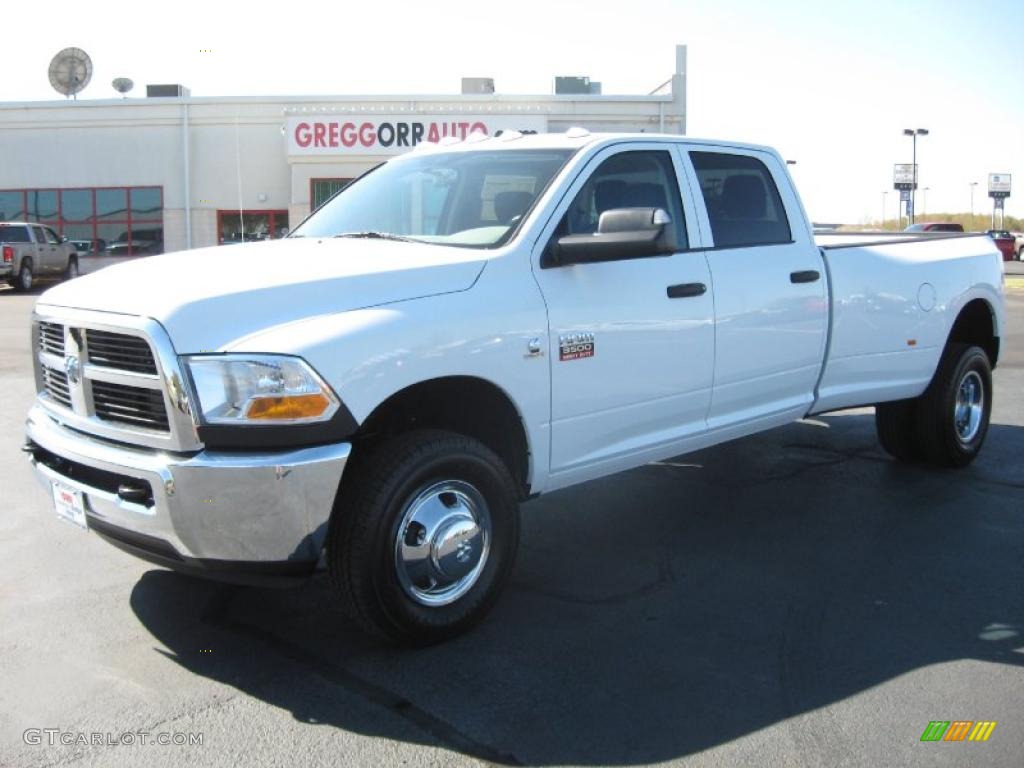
x=126 y=221
x=322 y=190
x=250 y=226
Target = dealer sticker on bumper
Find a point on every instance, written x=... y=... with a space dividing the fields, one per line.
x=69 y=505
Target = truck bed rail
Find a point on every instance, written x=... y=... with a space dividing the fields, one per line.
x=859 y=239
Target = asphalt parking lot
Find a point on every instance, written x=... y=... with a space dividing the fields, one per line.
x=795 y=598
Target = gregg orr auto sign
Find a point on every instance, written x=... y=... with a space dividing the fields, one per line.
x=392 y=134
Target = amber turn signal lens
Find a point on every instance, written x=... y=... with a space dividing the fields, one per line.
x=288 y=407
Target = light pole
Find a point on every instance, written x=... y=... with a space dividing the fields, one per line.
x=913 y=133
x=885 y=197
x=973 y=185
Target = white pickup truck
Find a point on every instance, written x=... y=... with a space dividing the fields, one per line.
x=471 y=325
x=28 y=250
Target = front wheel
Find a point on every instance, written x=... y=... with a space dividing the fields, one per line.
x=425 y=534
x=72 y=271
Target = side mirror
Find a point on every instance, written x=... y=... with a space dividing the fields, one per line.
x=64 y=239
x=622 y=233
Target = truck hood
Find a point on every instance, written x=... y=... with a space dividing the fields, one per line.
x=210 y=297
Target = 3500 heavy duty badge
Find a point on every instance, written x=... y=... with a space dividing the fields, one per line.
x=575 y=346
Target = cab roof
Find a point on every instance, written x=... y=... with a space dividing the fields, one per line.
x=573 y=138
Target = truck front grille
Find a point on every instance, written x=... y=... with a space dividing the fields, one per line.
x=51 y=338
x=56 y=385
x=120 y=351
x=63 y=352
x=136 y=406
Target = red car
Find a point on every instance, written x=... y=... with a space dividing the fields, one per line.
x=1005 y=242
x=935 y=226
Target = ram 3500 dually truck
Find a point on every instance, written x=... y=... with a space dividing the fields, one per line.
x=473 y=324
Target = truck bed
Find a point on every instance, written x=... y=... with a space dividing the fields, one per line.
x=893 y=300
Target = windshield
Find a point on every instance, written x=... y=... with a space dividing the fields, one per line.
x=469 y=199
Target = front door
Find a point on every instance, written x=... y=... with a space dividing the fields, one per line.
x=631 y=341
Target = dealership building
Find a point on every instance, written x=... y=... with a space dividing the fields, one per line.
x=170 y=172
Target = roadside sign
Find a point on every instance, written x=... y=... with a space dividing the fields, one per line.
x=910 y=207
x=903 y=176
x=997 y=203
x=904 y=195
x=999 y=185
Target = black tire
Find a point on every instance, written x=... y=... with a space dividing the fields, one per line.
x=944 y=441
x=72 y=269
x=896 y=425
x=380 y=490
x=25 y=278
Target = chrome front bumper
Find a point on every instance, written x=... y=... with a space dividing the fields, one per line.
x=210 y=509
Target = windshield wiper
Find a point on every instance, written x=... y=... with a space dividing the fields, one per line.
x=377 y=236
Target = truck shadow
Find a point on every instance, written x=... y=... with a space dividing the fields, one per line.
x=662 y=612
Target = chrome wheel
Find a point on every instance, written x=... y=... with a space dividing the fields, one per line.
x=25 y=278
x=969 y=407
x=442 y=542
x=72 y=269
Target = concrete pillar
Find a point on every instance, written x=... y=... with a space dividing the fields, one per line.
x=679 y=89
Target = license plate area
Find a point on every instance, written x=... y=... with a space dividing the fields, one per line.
x=69 y=505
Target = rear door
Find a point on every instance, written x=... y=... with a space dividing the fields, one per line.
x=771 y=296
x=47 y=252
x=630 y=349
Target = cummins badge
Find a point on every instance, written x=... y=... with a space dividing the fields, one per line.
x=575 y=346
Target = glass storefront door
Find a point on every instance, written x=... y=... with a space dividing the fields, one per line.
x=250 y=226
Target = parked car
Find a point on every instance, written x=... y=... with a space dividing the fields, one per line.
x=138 y=242
x=1005 y=242
x=89 y=247
x=1018 y=244
x=31 y=250
x=568 y=307
x=935 y=226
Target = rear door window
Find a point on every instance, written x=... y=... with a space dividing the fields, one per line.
x=743 y=203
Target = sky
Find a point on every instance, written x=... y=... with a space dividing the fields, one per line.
x=831 y=84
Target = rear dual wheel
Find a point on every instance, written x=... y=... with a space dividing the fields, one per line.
x=946 y=426
x=24 y=280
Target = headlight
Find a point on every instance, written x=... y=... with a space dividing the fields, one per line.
x=259 y=389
